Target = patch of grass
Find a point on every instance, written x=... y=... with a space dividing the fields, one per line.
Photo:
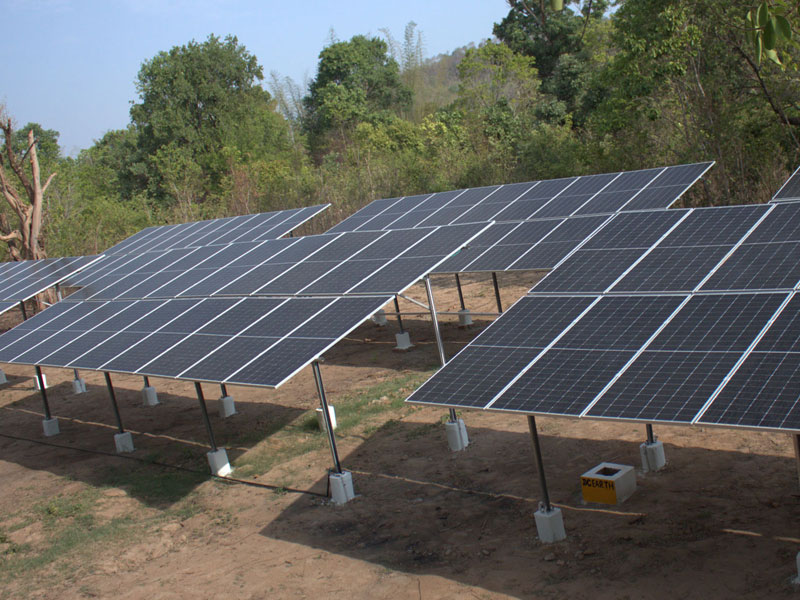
x=353 y=414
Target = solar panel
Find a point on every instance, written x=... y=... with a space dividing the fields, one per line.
x=588 y=194
x=254 y=341
x=324 y=264
x=789 y=190
x=485 y=366
x=246 y=228
x=22 y=280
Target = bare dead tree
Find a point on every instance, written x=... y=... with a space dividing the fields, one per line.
x=22 y=189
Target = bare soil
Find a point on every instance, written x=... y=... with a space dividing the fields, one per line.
x=78 y=521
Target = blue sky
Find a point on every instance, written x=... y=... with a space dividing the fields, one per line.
x=70 y=64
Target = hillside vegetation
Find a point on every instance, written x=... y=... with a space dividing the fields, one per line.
x=589 y=89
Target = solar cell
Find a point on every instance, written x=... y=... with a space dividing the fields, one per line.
x=759 y=267
x=665 y=386
x=562 y=382
x=762 y=393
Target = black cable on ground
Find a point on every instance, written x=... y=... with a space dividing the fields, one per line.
x=165 y=465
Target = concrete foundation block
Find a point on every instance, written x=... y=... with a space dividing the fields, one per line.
x=464 y=318
x=149 y=396
x=403 y=341
x=379 y=318
x=50 y=426
x=608 y=483
x=550 y=525
x=341 y=487
x=36 y=381
x=218 y=461
x=3 y=378
x=226 y=407
x=78 y=386
x=321 y=420
x=124 y=442
x=457 y=437
x=653 y=457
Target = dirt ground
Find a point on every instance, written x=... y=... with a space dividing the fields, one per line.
x=79 y=521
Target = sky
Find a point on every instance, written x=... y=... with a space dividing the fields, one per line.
x=70 y=65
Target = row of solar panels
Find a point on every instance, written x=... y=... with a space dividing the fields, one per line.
x=725 y=359
x=607 y=193
x=690 y=346
x=250 y=341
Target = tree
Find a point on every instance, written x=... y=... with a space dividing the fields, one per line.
x=356 y=81
x=24 y=192
x=203 y=101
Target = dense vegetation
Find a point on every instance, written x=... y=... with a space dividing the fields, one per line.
x=589 y=89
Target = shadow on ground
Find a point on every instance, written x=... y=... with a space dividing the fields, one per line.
x=468 y=517
x=171 y=433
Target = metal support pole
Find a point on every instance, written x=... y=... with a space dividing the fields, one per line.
x=651 y=439
x=146 y=381
x=24 y=312
x=796 y=439
x=399 y=319
x=206 y=420
x=223 y=389
x=77 y=375
x=460 y=293
x=113 y=397
x=43 y=391
x=58 y=293
x=539 y=464
x=497 y=292
x=326 y=416
x=437 y=333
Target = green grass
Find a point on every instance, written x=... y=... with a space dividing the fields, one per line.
x=156 y=486
x=354 y=415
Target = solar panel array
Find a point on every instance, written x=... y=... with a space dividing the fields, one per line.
x=251 y=341
x=686 y=316
x=21 y=280
x=215 y=232
x=608 y=193
x=251 y=313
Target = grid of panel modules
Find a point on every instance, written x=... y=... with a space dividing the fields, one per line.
x=215 y=232
x=685 y=316
x=251 y=313
x=538 y=222
x=21 y=280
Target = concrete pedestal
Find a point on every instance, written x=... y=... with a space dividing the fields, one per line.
x=3 y=378
x=218 y=461
x=653 y=458
x=321 y=420
x=36 y=381
x=464 y=318
x=341 y=487
x=379 y=318
x=124 y=442
x=457 y=437
x=403 y=341
x=149 y=396
x=608 y=483
x=50 y=427
x=226 y=407
x=550 y=525
x=78 y=386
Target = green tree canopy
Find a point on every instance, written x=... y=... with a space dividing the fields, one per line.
x=203 y=102
x=356 y=81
